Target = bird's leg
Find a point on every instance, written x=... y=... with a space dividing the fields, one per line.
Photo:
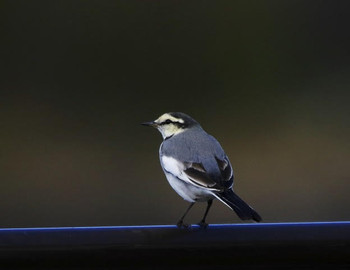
x=202 y=223
x=180 y=223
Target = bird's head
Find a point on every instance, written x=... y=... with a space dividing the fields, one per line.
x=172 y=123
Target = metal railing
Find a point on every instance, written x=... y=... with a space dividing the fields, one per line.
x=316 y=244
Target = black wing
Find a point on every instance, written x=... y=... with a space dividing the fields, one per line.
x=199 y=176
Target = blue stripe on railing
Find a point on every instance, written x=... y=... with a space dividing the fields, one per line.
x=276 y=224
x=314 y=245
x=168 y=236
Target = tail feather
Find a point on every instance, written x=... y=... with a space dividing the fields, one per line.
x=242 y=209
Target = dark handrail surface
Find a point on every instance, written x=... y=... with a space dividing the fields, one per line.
x=220 y=245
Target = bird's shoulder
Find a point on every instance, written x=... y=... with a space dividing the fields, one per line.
x=192 y=143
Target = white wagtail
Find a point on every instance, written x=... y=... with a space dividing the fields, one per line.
x=196 y=166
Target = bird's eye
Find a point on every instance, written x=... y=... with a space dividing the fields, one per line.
x=168 y=122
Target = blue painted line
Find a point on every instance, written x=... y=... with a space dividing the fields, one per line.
x=212 y=226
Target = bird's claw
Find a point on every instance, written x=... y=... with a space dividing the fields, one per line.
x=182 y=225
x=203 y=225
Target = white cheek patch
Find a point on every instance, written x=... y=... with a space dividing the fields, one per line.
x=169 y=130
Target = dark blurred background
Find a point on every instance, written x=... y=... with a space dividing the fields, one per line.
x=269 y=79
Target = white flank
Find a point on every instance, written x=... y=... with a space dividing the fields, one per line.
x=174 y=167
x=179 y=181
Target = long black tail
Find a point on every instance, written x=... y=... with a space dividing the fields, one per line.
x=242 y=209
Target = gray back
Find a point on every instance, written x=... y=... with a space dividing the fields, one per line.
x=195 y=145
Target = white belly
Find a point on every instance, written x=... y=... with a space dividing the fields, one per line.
x=187 y=191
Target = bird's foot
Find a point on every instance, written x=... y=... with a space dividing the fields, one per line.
x=182 y=225
x=202 y=224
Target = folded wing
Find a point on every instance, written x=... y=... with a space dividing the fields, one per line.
x=196 y=174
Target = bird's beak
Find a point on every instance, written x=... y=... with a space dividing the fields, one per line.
x=150 y=124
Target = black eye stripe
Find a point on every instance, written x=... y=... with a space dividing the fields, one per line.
x=168 y=121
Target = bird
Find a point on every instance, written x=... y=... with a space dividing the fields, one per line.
x=197 y=167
